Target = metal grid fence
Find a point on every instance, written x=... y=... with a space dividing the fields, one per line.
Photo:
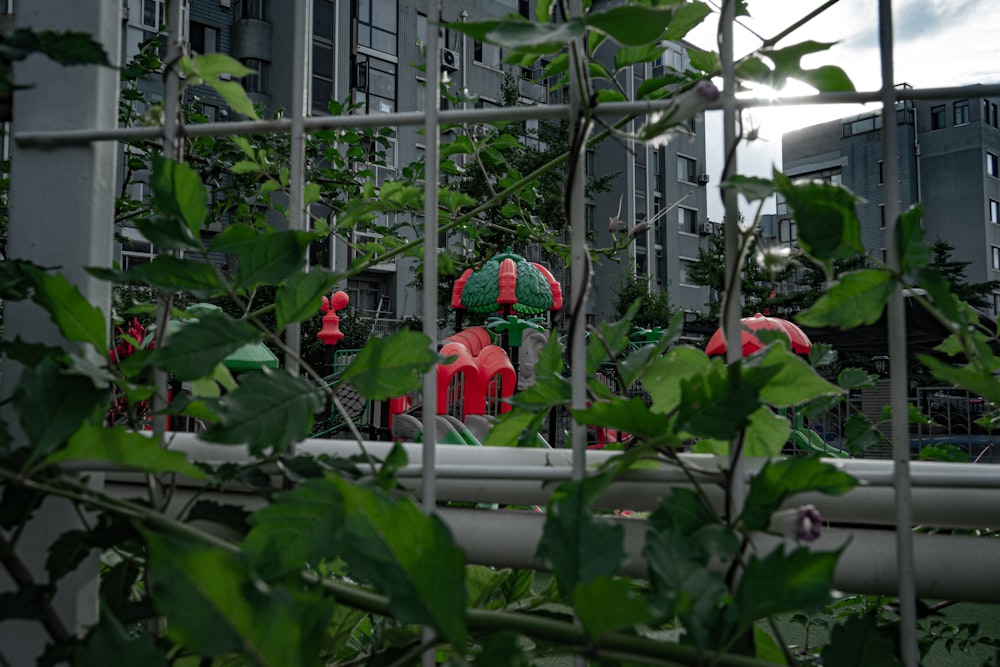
x=86 y=141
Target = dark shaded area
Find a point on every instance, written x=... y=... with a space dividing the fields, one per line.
x=923 y=333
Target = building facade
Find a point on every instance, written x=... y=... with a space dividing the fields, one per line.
x=948 y=162
x=368 y=51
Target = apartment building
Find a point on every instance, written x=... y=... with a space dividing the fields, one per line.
x=948 y=161
x=367 y=51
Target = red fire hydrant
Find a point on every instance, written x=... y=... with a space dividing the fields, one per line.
x=331 y=334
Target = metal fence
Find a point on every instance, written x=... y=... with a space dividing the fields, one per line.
x=79 y=139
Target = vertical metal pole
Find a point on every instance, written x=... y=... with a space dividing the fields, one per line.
x=579 y=272
x=71 y=230
x=732 y=297
x=897 y=352
x=296 y=184
x=430 y=296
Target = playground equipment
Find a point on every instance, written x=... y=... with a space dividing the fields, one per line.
x=797 y=338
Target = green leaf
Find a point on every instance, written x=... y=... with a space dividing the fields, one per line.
x=518 y=428
x=170 y=275
x=718 y=404
x=178 y=192
x=211 y=67
x=65 y=48
x=943 y=452
x=632 y=25
x=687 y=17
x=245 y=167
x=827 y=220
x=108 y=643
x=408 y=555
x=168 y=233
x=233 y=239
x=766 y=433
x=915 y=252
x=780 y=582
x=663 y=379
x=194 y=351
x=629 y=415
x=213 y=605
x=754 y=188
x=795 y=381
x=300 y=527
x=540 y=38
x=300 y=298
x=76 y=318
x=605 y=605
x=270 y=258
x=388 y=367
x=860 y=434
x=125 y=448
x=52 y=406
x=779 y=480
x=858 y=298
x=856 y=378
x=860 y=642
x=270 y=409
x=575 y=544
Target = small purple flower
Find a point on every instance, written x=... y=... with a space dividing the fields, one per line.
x=809 y=523
x=804 y=523
x=708 y=90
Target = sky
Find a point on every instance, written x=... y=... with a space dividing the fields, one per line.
x=936 y=43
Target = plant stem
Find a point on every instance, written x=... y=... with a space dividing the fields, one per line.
x=22 y=576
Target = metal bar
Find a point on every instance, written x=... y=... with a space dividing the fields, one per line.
x=296 y=183
x=730 y=316
x=580 y=260
x=430 y=297
x=414 y=118
x=898 y=388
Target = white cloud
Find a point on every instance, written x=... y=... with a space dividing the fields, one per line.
x=937 y=43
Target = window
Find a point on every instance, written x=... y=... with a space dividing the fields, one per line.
x=486 y=54
x=260 y=81
x=588 y=163
x=993 y=115
x=881 y=216
x=996 y=258
x=375 y=84
x=937 y=117
x=136 y=250
x=688 y=220
x=204 y=38
x=685 y=271
x=881 y=172
x=322 y=75
x=995 y=211
x=254 y=9
x=787 y=230
x=376 y=24
x=961 y=112
x=992 y=165
x=153 y=15
x=588 y=217
x=687 y=169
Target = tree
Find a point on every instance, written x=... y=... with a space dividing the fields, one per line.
x=654 y=311
x=977 y=295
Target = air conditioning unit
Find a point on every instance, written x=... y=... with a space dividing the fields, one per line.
x=225 y=5
x=703 y=178
x=707 y=229
x=449 y=60
x=479 y=131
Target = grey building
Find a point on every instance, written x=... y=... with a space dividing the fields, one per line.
x=365 y=51
x=948 y=161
